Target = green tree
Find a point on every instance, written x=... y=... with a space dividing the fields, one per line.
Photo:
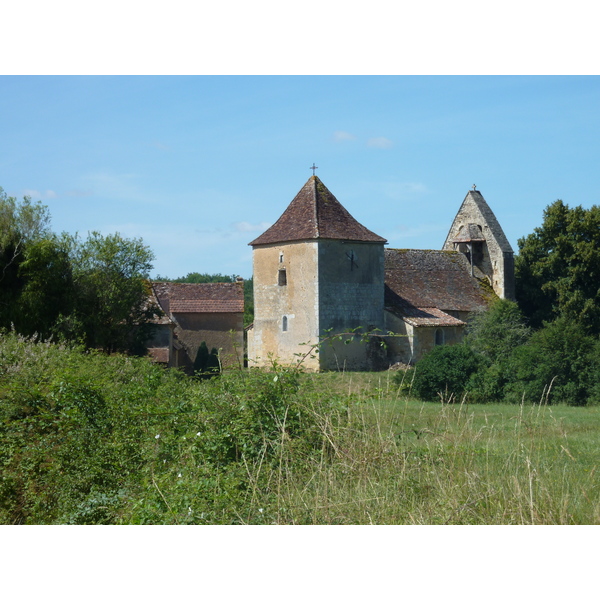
x=46 y=290
x=558 y=364
x=203 y=278
x=558 y=267
x=206 y=364
x=111 y=291
x=496 y=332
x=22 y=224
x=494 y=335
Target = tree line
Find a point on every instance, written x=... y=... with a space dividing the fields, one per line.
x=93 y=291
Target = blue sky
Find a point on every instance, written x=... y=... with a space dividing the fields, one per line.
x=198 y=166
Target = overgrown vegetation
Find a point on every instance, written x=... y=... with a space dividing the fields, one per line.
x=88 y=438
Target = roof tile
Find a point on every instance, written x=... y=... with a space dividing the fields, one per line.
x=316 y=213
x=432 y=279
x=200 y=297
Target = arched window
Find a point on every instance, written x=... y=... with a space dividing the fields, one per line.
x=284 y=323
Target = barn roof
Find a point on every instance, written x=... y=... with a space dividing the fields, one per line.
x=432 y=279
x=200 y=297
x=315 y=213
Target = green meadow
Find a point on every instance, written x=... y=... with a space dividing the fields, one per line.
x=87 y=438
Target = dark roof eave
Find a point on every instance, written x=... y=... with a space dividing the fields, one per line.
x=317 y=239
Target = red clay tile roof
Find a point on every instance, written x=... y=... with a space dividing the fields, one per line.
x=433 y=279
x=316 y=213
x=200 y=297
x=159 y=355
x=424 y=317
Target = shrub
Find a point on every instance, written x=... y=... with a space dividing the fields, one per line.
x=444 y=372
x=558 y=364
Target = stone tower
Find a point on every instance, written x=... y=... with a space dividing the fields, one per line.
x=317 y=272
x=477 y=234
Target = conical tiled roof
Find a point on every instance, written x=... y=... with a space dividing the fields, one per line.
x=315 y=213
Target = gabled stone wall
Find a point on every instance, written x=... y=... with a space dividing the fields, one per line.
x=495 y=257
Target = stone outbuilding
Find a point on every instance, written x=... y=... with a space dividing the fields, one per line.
x=194 y=313
x=327 y=293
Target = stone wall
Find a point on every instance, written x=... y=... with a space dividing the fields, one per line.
x=351 y=285
x=223 y=331
x=494 y=257
x=285 y=306
x=305 y=291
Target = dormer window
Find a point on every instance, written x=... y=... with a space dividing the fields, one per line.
x=281 y=277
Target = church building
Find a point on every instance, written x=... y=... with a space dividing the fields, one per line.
x=329 y=294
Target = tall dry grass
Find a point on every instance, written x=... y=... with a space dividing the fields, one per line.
x=394 y=460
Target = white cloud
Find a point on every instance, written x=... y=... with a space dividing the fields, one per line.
x=37 y=195
x=343 y=136
x=244 y=226
x=379 y=142
x=120 y=186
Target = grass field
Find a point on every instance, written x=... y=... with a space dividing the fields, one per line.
x=397 y=460
x=87 y=438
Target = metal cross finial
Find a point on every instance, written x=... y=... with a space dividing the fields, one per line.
x=474 y=187
x=313 y=169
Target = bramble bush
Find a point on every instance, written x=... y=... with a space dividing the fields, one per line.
x=90 y=438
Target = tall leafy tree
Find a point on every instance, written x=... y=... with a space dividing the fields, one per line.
x=46 y=287
x=558 y=267
x=110 y=276
x=22 y=224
